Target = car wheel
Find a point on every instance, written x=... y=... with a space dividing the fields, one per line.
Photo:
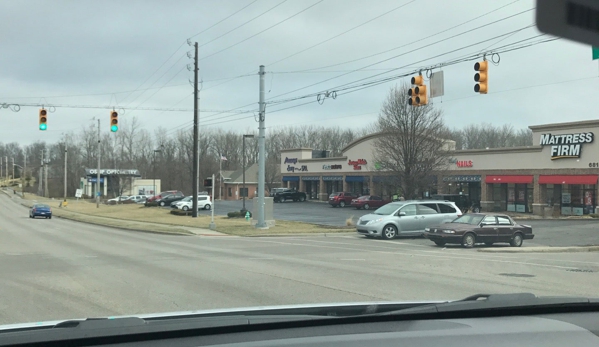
x=389 y=232
x=468 y=240
x=516 y=240
x=162 y=204
x=207 y=207
x=366 y=207
x=185 y=208
x=489 y=244
x=342 y=204
x=302 y=198
x=440 y=243
x=282 y=199
x=30 y=216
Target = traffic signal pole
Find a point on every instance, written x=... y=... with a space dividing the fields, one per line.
x=261 y=223
x=98 y=175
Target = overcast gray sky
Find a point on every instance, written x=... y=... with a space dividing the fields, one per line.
x=94 y=53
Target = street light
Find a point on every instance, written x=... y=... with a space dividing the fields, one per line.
x=154 y=168
x=243 y=193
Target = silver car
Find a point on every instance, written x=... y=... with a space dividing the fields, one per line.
x=409 y=217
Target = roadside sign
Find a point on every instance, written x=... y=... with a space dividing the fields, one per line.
x=437 y=84
x=78 y=193
x=595 y=53
x=575 y=20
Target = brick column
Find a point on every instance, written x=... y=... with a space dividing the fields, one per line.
x=322 y=190
x=486 y=195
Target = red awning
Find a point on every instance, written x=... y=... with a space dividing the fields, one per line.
x=568 y=179
x=526 y=179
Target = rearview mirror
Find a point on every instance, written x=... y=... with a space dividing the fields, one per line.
x=401 y=214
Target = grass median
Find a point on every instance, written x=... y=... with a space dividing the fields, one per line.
x=135 y=216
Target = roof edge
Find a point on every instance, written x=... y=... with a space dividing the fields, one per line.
x=565 y=125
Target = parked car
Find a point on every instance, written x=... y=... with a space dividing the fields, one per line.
x=287 y=194
x=462 y=201
x=474 y=228
x=40 y=210
x=160 y=195
x=186 y=204
x=409 y=217
x=119 y=198
x=167 y=199
x=138 y=199
x=342 y=199
x=368 y=201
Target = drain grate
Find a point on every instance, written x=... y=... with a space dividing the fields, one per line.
x=516 y=275
x=580 y=270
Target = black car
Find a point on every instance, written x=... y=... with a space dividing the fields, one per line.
x=463 y=201
x=287 y=194
x=169 y=198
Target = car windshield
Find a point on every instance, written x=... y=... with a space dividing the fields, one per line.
x=323 y=138
x=473 y=219
x=388 y=209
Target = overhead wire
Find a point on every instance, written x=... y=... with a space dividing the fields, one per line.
x=222 y=20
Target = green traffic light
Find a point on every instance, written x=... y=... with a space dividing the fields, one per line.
x=114 y=128
x=43 y=126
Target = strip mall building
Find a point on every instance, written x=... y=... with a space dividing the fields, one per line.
x=556 y=175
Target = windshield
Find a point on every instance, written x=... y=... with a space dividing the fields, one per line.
x=469 y=219
x=281 y=114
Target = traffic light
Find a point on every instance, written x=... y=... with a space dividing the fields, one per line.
x=43 y=119
x=417 y=94
x=482 y=77
x=114 y=121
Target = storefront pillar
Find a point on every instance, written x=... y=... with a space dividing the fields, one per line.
x=486 y=195
x=441 y=185
x=345 y=184
x=596 y=198
x=302 y=185
x=322 y=191
x=539 y=193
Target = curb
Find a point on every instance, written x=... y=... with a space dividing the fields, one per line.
x=128 y=229
x=298 y=235
x=542 y=249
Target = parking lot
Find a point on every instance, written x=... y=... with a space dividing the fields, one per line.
x=554 y=233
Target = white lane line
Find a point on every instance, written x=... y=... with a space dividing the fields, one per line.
x=424 y=255
x=356 y=259
x=260 y=258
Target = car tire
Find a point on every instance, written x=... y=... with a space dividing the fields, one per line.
x=342 y=204
x=207 y=207
x=282 y=199
x=440 y=243
x=516 y=240
x=366 y=207
x=185 y=208
x=30 y=216
x=162 y=204
x=489 y=244
x=389 y=232
x=302 y=198
x=468 y=240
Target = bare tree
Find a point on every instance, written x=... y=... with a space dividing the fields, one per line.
x=411 y=144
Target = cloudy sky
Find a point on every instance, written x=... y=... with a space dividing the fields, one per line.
x=82 y=57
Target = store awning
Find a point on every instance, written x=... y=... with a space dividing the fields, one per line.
x=310 y=178
x=355 y=179
x=525 y=179
x=568 y=179
x=290 y=178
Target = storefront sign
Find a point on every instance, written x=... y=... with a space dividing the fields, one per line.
x=331 y=167
x=462 y=178
x=464 y=163
x=105 y=172
x=566 y=198
x=332 y=178
x=566 y=146
x=357 y=164
x=303 y=168
x=290 y=160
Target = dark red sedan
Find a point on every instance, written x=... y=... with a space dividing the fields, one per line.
x=368 y=201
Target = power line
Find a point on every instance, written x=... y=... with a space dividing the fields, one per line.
x=415 y=41
x=402 y=54
x=222 y=20
x=342 y=33
x=239 y=26
x=260 y=32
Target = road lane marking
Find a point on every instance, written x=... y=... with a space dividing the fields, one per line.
x=353 y=259
x=260 y=258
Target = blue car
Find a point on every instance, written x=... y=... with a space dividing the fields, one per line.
x=40 y=210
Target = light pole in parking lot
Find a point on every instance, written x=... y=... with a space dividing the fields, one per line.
x=243 y=192
x=154 y=169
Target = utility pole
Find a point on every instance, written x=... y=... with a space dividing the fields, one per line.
x=65 y=172
x=212 y=226
x=13 y=168
x=98 y=175
x=24 y=173
x=261 y=223
x=39 y=186
x=195 y=183
x=46 y=193
x=6 y=162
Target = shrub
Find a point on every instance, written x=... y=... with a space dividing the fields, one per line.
x=234 y=214
x=594 y=215
x=181 y=213
x=151 y=204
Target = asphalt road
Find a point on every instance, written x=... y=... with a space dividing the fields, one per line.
x=59 y=269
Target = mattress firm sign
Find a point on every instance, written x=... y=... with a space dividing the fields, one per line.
x=567 y=145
